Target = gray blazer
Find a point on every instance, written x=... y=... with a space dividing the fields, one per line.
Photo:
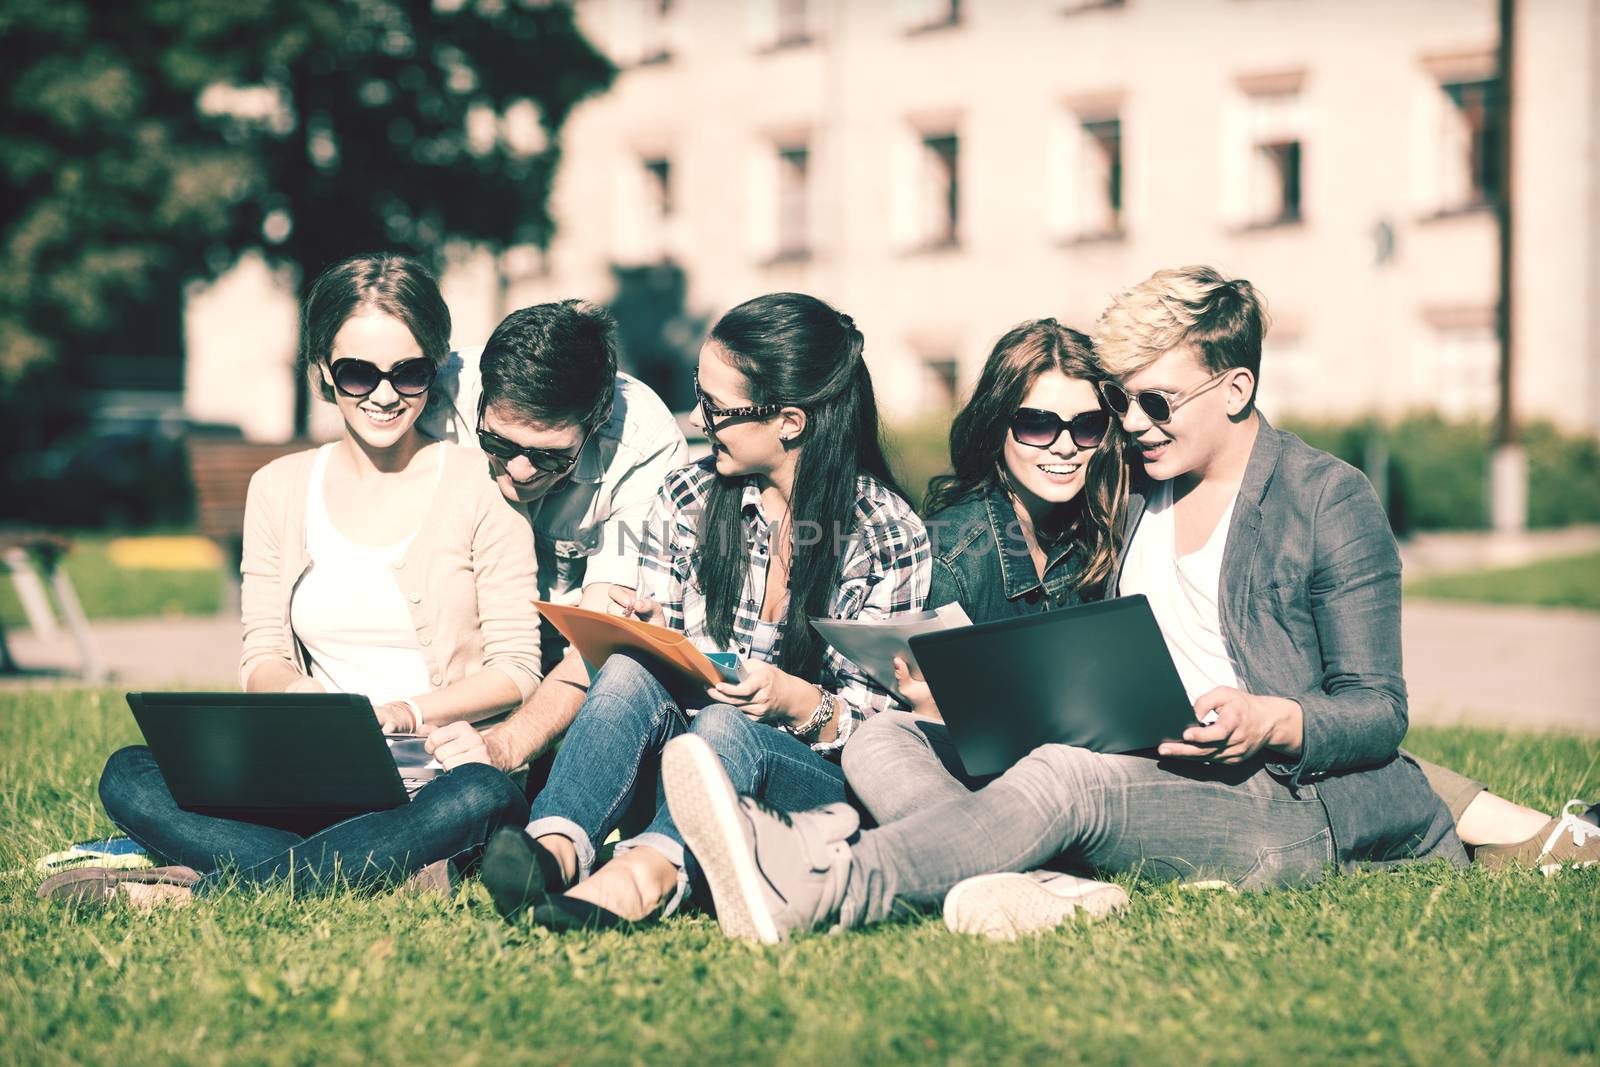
x=1310 y=610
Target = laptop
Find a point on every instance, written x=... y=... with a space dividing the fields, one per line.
x=1098 y=676
x=294 y=760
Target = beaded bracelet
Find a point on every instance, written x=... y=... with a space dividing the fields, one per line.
x=827 y=707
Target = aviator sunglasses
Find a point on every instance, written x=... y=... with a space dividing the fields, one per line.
x=1157 y=405
x=357 y=377
x=1038 y=428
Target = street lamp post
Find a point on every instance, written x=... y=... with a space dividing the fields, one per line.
x=1508 y=466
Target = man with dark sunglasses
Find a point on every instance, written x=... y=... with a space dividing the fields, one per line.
x=581 y=449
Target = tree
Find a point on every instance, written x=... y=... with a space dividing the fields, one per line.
x=150 y=142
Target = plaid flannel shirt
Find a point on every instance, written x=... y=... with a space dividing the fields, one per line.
x=885 y=570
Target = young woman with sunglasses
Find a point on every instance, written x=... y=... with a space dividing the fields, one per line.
x=1028 y=521
x=794 y=515
x=383 y=564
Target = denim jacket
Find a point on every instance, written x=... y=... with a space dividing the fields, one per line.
x=1310 y=610
x=981 y=561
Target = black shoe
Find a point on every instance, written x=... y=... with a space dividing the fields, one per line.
x=564 y=913
x=519 y=872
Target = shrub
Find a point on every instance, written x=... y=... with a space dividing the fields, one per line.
x=917 y=451
x=1437 y=472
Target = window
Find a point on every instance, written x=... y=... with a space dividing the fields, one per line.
x=919 y=16
x=794 y=233
x=776 y=24
x=640 y=32
x=925 y=186
x=646 y=210
x=1264 y=183
x=1457 y=135
x=1460 y=369
x=1469 y=143
x=940 y=376
x=1086 y=174
x=1275 y=183
x=780 y=197
x=792 y=25
x=940 y=195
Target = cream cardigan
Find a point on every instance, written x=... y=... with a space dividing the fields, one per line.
x=467 y=577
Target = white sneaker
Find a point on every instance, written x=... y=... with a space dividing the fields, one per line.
x=771 y=873
x=1006 y=906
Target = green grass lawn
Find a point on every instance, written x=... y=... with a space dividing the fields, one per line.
x=1567 y=582
x=110 y=592
x=1423 y=966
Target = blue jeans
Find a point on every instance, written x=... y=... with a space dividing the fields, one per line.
x=449 y=818
x=612 y=751
x=1166 y=819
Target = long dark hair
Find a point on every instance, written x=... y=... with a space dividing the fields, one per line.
x=978 y=437
x=394 y=284
x=795 y=350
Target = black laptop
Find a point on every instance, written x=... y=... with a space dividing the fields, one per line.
x=1098 y=676
x=281 y=759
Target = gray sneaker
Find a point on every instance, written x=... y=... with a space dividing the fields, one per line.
x=770 y=873
x=1007 y=906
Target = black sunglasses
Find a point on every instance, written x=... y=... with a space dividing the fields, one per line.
x=754 y=411
x=1157 y=405
x=1038 y=428
x=357 y=377
x=543 y=460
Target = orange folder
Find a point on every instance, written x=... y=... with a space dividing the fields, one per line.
x=597 y=635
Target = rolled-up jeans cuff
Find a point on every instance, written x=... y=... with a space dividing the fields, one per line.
x=669 y=848
x=555 y=824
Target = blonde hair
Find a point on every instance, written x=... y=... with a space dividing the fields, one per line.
x=1223 y=319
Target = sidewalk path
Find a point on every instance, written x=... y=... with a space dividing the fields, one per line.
x=178 y=652
x=1482 y=665
x=1465 y=550
x=1504 y=667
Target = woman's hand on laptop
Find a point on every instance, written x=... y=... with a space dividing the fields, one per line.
x=914 y=689
x=455 y=744
x=1242 y=725
x=627 y=603
x=395 y=717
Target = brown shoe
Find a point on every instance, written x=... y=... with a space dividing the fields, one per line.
x=99 y=884
x=438 y=877
x=1572 y=841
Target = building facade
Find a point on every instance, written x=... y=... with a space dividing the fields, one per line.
x=941 y=169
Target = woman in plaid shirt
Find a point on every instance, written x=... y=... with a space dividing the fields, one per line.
x=794 y=515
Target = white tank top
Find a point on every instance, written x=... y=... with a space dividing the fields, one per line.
x=348 y=610
x=1183 y=592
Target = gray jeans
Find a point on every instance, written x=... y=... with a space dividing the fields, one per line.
x=1168 y=819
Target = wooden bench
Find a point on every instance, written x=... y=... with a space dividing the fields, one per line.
x=220 y=468
x=32 y=557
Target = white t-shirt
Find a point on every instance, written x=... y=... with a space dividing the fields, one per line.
x=1183 y=592
x=348 y=610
